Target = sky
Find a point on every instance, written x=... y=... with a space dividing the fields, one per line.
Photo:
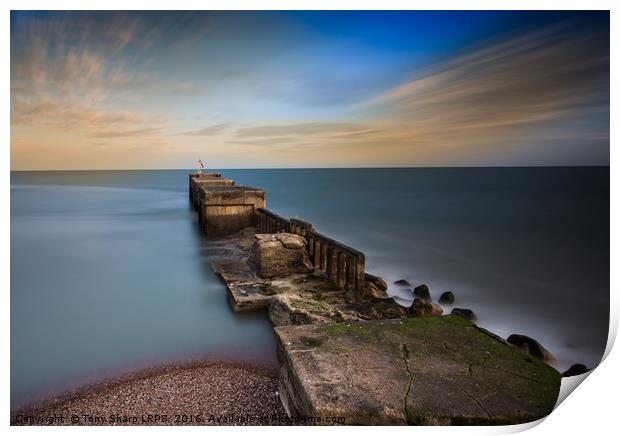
x=151 y=89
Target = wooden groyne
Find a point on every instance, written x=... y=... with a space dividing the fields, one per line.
x=348 y=352
x=343 y=265
x=224 y=209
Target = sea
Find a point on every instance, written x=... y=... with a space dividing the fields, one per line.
x=110 y=273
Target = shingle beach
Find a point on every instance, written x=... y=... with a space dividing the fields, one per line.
x=190 y=393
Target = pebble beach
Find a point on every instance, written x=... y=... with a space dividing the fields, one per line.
x=188 y=393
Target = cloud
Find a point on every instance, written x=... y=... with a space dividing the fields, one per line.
x=126 y=133
x=540 y=98
x=78 y=116
x=265 y=142
x=206 y=131
x=312 y=128
x=498 y=94
x=62 y=78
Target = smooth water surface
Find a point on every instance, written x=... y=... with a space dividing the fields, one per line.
x=109 y=271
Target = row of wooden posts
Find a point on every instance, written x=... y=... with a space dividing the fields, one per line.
x=343 y=265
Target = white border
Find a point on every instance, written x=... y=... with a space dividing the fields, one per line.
x=592 y=410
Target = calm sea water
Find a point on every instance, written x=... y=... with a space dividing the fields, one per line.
x=109 y=271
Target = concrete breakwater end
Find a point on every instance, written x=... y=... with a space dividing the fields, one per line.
x=347 y=349
x=440 y=370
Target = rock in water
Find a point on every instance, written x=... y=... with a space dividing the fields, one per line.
x=436 y=310
x=377 y=281
x=532 y=347
x=446 y=298
x=279 y=255
x=421 y=307
x=468 y=314
x=402 y=282
x=422 y=292
x=576 y=369
x=372 y=291
x=418 y=307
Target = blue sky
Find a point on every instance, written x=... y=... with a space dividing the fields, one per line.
x=308 y=89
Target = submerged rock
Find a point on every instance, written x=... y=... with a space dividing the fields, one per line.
x=421 y=307
x=402 y=282
x=446 y=298
x=532 y=347
x=279 y=255
x=576 y=369
x=467 y=314
x=422 y=292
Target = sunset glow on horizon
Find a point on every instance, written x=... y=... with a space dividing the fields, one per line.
x=139 y=90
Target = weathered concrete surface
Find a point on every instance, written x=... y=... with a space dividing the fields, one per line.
x=279 y=255
x=293 y=309
x=314 y=298
x=247 y=292
x=428 y=371
x=224 y=210
x=199 y=181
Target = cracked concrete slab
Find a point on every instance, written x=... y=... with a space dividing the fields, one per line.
x=427 y=371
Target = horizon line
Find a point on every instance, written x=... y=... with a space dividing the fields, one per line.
x=317 y=168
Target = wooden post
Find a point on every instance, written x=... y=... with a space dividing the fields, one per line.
x=351 y=267
x=342 y=269
x=324 y=259
x=360 y=278
x=332 y=264
x=317 y=254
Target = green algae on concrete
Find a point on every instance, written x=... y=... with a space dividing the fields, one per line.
x=427 y=371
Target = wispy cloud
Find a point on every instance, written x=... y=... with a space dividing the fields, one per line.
x=62 y=77
x=546 y=89
x=303 y=129
x=126 y=133
x=207 y=131
x=266 y=142
x=503 y=92
x=304 y=93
